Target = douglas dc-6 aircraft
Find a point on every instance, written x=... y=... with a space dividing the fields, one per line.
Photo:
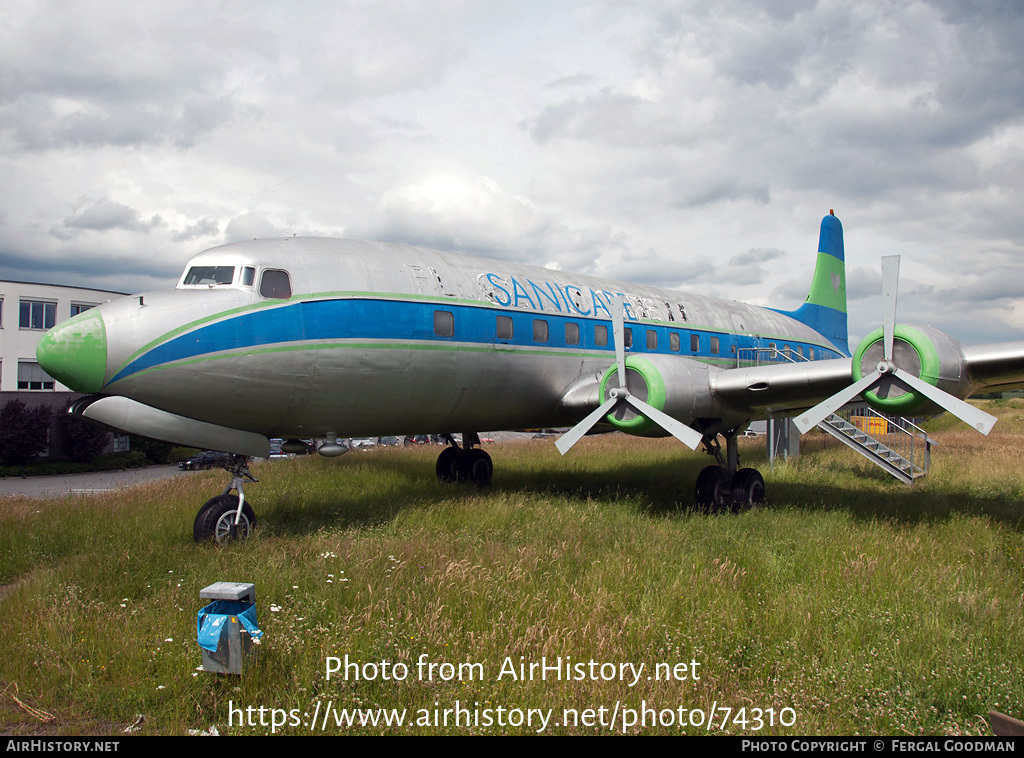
x=327 y=338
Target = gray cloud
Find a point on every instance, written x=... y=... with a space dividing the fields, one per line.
x=105 y=215
x=204 y=227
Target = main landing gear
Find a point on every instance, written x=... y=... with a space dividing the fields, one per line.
x=227 y=517
x=467 y=463
x=725 y=487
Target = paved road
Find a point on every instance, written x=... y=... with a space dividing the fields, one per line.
x=51 y=486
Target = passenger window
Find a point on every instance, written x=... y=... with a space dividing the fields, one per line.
x=714 y=345
x=275 y=284
x=800 y=351
x=600 y=335
x=504 y=328
x=540 y=330
x=652 y=339
x=694 y=343
x=673 y=342
x=444 y=324
x=248 y=275
x=572 y=333
x=627 y=337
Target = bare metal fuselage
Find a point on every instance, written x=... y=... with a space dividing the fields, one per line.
x=356 y=350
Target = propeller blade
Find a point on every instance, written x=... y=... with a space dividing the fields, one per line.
x=966 y=412
x=573 y=436
x=618 y=334
x=890 y=287
x=826 y=408
x=677 y=429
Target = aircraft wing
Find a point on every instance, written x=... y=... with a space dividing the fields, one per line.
x=780 y=388
x=792 y=387
x=996 y=368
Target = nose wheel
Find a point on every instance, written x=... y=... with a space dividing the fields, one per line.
x=226 y=517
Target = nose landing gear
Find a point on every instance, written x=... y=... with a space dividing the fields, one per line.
x=227 y=517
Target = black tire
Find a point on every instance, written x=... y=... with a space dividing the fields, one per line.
x=446 y=467
x=475 y=465
x=707 y=483
x=747 y=489
x=710 y=494
x=216 y=517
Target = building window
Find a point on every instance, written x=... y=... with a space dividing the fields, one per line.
x=37 y=315
x=121 y=443
x=32 y=377
x=540 y=330
x=444 y=324
x=572 y=333
x=503 y=328
x=77 y=308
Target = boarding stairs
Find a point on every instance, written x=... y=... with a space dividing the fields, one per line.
x=893 y=443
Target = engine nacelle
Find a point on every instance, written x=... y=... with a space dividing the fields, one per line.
x=677 y=387
x=923 y=351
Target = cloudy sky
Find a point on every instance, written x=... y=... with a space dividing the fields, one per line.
x=694 y=145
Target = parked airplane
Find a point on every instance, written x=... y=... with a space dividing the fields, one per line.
x=299 y=338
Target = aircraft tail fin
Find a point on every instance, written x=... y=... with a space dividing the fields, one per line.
x=824 y=310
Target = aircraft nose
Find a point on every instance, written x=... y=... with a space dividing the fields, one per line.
x=74 y=352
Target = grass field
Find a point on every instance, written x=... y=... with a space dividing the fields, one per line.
x=848 y=604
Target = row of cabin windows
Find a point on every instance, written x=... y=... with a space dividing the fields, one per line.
x=444 y=326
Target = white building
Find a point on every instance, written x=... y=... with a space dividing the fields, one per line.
x=26 y=312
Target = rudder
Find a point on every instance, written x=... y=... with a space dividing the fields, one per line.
x=824 y=310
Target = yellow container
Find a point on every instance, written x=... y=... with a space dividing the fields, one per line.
x=872 y=425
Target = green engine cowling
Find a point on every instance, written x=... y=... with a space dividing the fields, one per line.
x=923 y=351
x=679 y=388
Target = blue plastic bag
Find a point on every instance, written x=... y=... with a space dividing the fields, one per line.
x=212 y=619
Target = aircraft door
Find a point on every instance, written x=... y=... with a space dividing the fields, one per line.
x=748 y=342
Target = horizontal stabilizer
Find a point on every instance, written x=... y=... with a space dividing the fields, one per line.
x=128 y=416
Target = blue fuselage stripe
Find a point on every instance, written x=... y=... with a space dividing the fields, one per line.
x=373 y=319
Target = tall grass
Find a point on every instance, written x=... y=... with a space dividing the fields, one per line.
x=863 y=605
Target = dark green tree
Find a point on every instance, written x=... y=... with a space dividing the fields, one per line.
x=24 y=433
x=81 y=441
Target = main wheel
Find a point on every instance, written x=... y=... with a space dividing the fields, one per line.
x=447 y=464
x=475 y=465
x=747 y=489
x=710 y=494
x=217 y=516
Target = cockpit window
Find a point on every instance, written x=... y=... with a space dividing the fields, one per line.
x=275 y=284
x=210 y=275
x=248 y=276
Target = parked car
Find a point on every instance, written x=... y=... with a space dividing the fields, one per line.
x=205 y=459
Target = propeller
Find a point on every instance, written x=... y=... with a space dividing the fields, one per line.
x=886 y=371
x=621 y=394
